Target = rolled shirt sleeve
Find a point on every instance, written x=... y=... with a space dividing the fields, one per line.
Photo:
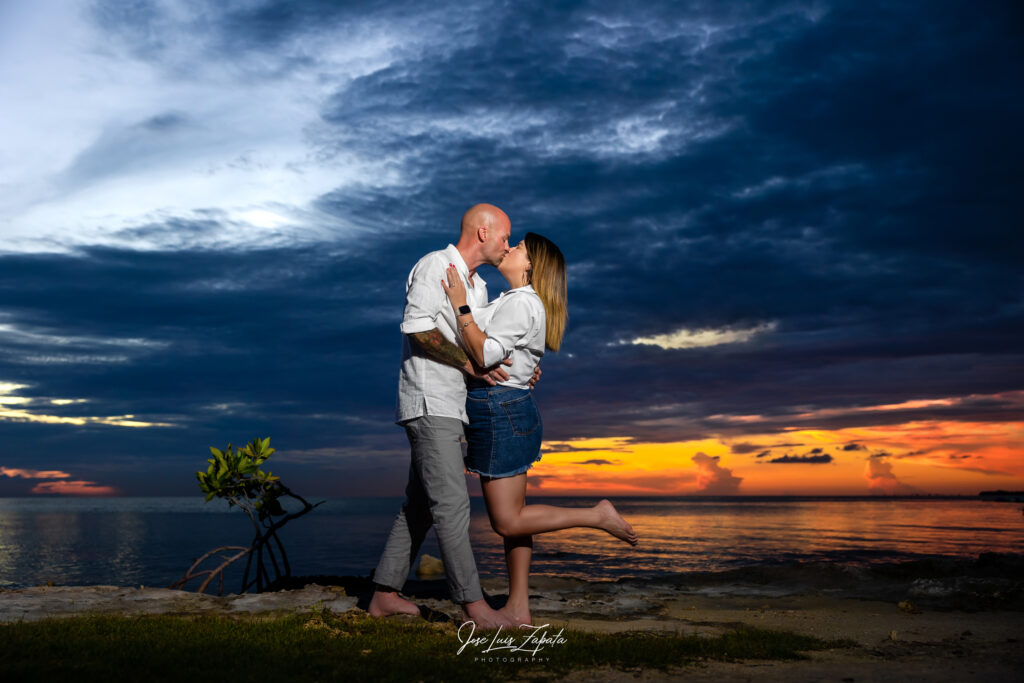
x=425 y=297
x=427 y=386
x=493 y=353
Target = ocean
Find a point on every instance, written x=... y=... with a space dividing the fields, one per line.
x=152 y=541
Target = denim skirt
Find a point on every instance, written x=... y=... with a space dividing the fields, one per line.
x=504 y=431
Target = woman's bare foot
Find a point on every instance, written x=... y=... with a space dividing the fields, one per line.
x=481 y=614
x=613 y=523
x=519 y=615
x=385 y=603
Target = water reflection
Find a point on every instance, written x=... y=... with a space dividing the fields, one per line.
x=152 y=541
x=688 y=535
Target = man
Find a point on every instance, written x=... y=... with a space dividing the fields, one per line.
x=432 y=408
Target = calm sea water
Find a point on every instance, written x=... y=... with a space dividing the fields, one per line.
x=152 y=541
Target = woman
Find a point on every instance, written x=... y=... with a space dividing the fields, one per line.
x=504 y=432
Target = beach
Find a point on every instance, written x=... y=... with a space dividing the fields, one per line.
x=944 y=620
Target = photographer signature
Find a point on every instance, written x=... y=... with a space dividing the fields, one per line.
x=533 y=639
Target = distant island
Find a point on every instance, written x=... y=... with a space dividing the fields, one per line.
x=1014 y=496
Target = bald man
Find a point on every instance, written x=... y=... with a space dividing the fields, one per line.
x=432 y=408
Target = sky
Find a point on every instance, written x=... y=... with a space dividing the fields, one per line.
x=793 y=235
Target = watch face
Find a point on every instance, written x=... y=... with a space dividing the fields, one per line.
x=463 y=310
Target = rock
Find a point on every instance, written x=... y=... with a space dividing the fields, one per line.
x=429 y=566
x=968 y=593
x=908 y=607
x=40 y=602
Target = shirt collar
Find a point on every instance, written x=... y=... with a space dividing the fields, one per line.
x=524 y=289
x=453 y=255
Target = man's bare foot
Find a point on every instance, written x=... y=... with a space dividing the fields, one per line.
x=613 y=523
x=385 y=603
x=481 y=614
x=519 y=615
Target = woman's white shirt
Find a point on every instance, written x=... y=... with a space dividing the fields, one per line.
x=515 y=324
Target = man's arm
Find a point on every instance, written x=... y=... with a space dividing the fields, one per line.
x=440 y=349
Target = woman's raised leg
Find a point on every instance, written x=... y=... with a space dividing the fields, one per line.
x=511 y=517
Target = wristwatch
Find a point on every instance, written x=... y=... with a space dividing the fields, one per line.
x=464 y=310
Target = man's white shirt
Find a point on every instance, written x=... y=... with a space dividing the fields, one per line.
x=427 y=386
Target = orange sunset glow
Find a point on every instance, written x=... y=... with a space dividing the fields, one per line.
x=58 y=482
x=925 y=457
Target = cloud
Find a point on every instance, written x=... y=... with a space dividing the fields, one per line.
x=109 y=420
x=803 y=459
x=854 y=447
x=694 y=339
x=598 y=483
x=743 y=448
x=882 y=480
x=33 y=474
x=63 y=486
x=30 y=414
x=712 y=478
x=243 y=187
x=73 y=488
x=595 y=461
x=170 y=110
x=564 y=447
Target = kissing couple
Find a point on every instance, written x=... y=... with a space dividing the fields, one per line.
x=468 y=369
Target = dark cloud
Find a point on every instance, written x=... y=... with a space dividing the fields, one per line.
x=557 y=447
x=846 y=171
x=802 y=459
x=595 y=461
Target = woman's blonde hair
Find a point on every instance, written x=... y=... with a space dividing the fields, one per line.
x=548 y=279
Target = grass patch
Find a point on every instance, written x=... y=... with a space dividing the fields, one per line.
x=321 y=646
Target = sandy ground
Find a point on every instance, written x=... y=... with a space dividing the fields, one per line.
x=892 y=645
x=920 y=642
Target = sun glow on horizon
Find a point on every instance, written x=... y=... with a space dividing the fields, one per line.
x=921 y=457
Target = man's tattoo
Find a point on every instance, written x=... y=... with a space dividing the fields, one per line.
x=440 y=349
